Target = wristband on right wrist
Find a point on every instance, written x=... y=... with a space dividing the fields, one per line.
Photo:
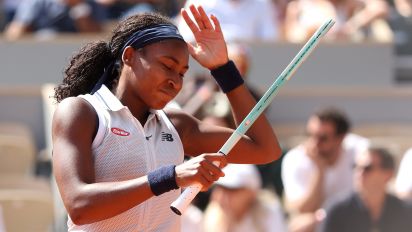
x=227 y=77
x=162 y=180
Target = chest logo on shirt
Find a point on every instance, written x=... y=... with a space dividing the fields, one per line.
x=167 y=137
x=120 y=132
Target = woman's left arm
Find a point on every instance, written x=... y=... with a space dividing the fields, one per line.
x=260 y=144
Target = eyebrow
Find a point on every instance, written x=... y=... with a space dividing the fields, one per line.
x=175 y=60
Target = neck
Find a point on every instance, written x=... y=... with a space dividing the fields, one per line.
x=336 y=155
x=139 y=110
x=374 y=201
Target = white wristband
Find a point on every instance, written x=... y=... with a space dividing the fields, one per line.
x=80 y=11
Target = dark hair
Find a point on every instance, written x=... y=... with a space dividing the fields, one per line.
x=386 y=159
x=335 y=116
x=88 y=64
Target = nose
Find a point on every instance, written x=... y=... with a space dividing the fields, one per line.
x=175 y=82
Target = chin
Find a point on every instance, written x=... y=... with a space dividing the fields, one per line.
x=159 y=105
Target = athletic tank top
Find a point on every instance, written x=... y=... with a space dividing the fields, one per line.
x=124 y=149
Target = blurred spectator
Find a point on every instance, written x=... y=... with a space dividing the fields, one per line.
x=370 y=207
x=117 y=9
x=192 y=219
x=47 y=17
x=281 y=6
x=404 y=7
x=241 y=20
x=202 y=96
x=237 y=203
x=314 y=172
x=354 y=19
x=7 y=11
x=400 y=21
x=2 y=16
x=403 y=183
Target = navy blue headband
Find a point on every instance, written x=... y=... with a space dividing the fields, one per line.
x=153 y=34
x=140 y=39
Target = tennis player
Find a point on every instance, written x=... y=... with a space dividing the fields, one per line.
x=118 y=151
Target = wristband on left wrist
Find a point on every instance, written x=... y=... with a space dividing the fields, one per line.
x=227 y=76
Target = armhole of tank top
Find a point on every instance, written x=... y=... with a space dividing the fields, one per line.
x=102 y=122
x=171 y=126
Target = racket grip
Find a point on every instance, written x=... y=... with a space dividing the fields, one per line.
x=183 y=201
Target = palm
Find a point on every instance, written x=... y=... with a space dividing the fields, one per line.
x=210 y=48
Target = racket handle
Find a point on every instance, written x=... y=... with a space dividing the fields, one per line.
x=183 y=201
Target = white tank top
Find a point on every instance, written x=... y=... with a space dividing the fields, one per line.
x=124 y=149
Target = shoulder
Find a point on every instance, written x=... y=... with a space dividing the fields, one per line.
x=407 y=157
x=181 y=120
x=74 y=106
x=395 y=202
x=344 y=204
x=74 y=112
x=296 y=157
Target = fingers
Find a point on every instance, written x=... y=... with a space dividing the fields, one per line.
x=189 y=21
x=197 y=16
x=216 y=23
x=201 y=18
x=217 y=159
x=212 y=165
x=204 y=18
x=200 y=170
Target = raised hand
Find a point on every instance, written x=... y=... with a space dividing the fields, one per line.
x=210 y=48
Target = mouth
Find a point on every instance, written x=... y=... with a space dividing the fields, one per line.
x=169 y=94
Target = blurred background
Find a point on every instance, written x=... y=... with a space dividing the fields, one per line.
x=363 y=67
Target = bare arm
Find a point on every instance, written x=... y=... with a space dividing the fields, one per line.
x=260 y=144
x=313 y=200
x=85 y=200
x=371 y=11
x=16 y=30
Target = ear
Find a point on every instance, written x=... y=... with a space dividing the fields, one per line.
x=128 y=56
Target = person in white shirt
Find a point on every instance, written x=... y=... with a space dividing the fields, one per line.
x=320 y=169
x=117 y=154
x=241 y=20
x=403 y=182
x=238 y=203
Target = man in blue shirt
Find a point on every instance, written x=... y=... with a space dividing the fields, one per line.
x=54 y=16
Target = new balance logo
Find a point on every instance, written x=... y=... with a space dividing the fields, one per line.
x=167 y=137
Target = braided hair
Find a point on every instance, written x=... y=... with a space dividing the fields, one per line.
x=89 y=63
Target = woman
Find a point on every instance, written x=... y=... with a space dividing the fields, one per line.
x=117 y=155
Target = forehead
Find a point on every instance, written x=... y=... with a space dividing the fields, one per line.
x=168 y=47
x=315 y=124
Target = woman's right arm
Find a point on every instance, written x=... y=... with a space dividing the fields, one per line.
x=74 y=126
x=88 y=201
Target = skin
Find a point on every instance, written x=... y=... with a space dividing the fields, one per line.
x=149 y=79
